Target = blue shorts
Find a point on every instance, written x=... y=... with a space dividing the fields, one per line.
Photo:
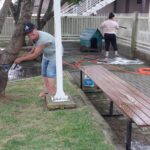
x=48 y=68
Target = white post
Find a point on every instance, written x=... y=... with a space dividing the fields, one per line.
x=60 y=95
x=149 y=17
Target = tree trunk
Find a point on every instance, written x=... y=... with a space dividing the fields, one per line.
x=10 y=53
x=4 y=13
x=3 y=81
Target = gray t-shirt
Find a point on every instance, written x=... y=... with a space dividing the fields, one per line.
x=49 y=41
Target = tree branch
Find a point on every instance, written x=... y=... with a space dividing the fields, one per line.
x=49 y=13
x=39 y=14
x=18 y=9
x=15 y=9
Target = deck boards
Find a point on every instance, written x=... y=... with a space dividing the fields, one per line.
x=133 y=103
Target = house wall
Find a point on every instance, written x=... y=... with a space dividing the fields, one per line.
x=121 y=7
x=133 y=6
x=147 y=5
x=107 y=9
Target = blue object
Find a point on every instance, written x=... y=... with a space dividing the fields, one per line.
x=88 y=82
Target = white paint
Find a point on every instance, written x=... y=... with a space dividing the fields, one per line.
x=60 y=95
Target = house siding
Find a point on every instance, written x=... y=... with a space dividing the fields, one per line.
x=121 y=7
x=106 y=9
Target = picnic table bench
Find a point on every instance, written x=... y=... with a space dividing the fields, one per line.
x=134 y=105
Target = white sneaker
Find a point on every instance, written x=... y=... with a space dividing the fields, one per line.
x=116 y=54
x=107 y=54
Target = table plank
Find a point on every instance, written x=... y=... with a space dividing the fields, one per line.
x=130 y=100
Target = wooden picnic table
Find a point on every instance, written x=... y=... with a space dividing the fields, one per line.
x=134 y=105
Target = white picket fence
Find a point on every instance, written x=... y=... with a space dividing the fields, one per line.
x=72 y=26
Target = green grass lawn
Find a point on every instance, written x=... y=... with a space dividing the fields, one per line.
x=26 y=124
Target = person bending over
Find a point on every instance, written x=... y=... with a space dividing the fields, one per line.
x=44 y=43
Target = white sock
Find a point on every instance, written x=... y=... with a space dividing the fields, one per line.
x=116 y=52
x=107 y=53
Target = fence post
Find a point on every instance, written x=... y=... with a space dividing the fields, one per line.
x=134 y=35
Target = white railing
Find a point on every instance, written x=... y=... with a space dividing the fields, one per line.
x=97 y=5
x=85 y=7
x=68 y=8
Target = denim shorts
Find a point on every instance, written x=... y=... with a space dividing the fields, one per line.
x=48 y=68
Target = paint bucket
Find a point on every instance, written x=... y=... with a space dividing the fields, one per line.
x=88 y=82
